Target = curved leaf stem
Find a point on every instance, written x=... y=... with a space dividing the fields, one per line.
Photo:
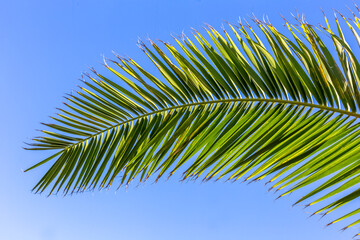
x=297 y=103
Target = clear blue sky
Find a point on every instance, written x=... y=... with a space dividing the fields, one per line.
x=44 y=46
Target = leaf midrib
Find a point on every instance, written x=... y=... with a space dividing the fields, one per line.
x=297 y=103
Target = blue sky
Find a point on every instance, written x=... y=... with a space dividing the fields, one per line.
x=44 y=46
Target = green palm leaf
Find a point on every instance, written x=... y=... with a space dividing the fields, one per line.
x=228 y=106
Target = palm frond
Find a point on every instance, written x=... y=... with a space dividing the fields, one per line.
x=240 y=104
